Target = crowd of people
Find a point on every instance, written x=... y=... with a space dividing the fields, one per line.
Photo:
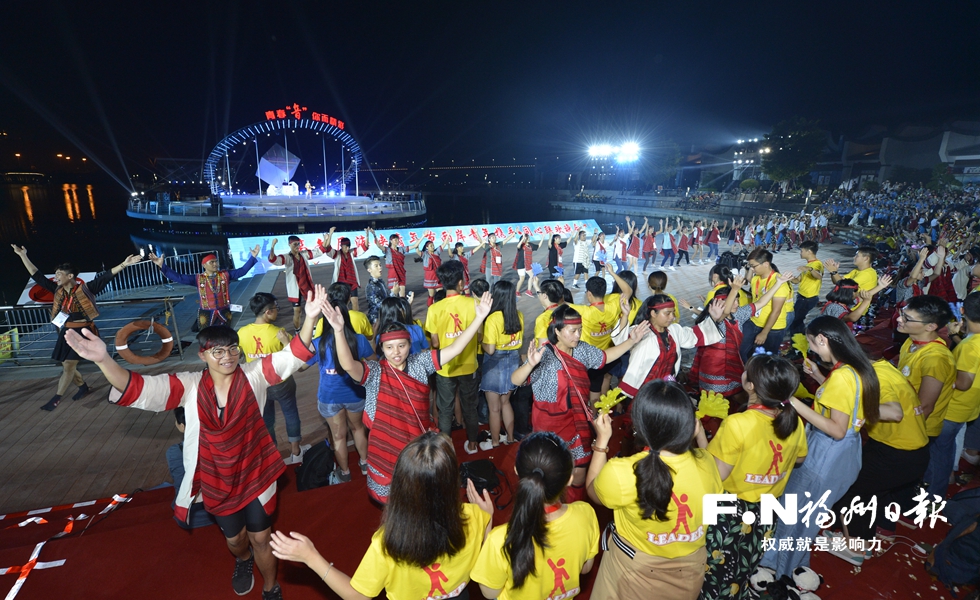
x=398 y=385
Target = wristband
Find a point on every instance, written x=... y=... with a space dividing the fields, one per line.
x=598 y=449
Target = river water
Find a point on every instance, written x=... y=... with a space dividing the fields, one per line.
x=84 y=222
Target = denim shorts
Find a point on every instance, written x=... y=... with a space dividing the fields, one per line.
x=331 y=410
x=497 y=369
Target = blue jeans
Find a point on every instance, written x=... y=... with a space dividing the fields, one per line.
x=750 y=330
x=620 y=264
x=668 y=255
x=285 y=395
x=941 y=458
x=802 y=306
x=713 y=249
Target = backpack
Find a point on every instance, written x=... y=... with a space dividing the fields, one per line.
x=316 y=468
x=732 y=261
x=956 y=560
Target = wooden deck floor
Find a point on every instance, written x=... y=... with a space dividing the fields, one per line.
x=89 y=449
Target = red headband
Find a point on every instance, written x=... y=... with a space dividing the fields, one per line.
x=344 y=241
x=663 y=305
x=847 y=286
x=399 y=334
x=576 y=320
x=208 y=258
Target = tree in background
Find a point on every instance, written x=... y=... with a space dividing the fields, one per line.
x=942 y=178
x=794 y=148
x=748 y=184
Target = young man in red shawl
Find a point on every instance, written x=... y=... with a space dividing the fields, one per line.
x=345 y=271
x=299 y=280
x=73 y=307
x=495 y=269
x=230 y=461
x=394 y=255
x=560 y=382
x=397 y=403
x=212 y=286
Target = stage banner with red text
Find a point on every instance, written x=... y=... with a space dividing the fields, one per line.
x=468 y=235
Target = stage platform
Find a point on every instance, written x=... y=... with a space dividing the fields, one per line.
x=279 y=211
x=89 y=449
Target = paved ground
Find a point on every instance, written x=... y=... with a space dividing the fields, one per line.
x=89 y=449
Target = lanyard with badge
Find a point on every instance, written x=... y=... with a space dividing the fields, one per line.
x=62 y=317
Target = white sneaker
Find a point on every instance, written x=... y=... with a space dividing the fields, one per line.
x=487 y=445
x=503 y=438
x=672 y=268
x=466 y=447
x=293 y=459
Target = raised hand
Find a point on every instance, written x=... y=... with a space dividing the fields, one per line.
x=283 y=337
x=637 y=333
x=603 y=429
x=88 y=345
x=716 y=309
x=737 y=282
x=333 y=316
x=831 y=264
x=885 y=281
x=534 y=353
x=157 y=260
x=315 y=300
x=484 y=305
x=19 y=250
x=132 y=259
x=624 y=305
x=274 y=242
x=784 y=277
x=255 y=250
x=687 y=305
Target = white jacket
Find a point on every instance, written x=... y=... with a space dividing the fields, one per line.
x=645 y=353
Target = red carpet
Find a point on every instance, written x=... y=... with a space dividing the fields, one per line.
x=138 y=551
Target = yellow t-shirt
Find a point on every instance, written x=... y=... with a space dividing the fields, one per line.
x=358 y=322
x=257 y=340
x=598 y=322
x=934 y=360
x=694 y=473
x=866 y=280
x=810 y=284
x=493 y=333
x=541 y=325
x=759 y=288
x=761 y=461
x=838 y=392
x=910 y=432
x=573 y=539
x=447 y=319
x=965 y=406
x=743 y=298
x=447 y=575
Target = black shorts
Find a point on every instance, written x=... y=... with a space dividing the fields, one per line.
x=598 y=265
x=581 y=269
x=597 y=375
x=252 y=518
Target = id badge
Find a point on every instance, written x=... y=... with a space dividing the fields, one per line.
x=60 y=320
x=498 y=259
x=236 y=308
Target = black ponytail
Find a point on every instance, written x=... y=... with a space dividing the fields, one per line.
x=845 y=348
x=774 y=380
x=544 y=466
x=663 y=416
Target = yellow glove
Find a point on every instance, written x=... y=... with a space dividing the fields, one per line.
x=712 y=404
x=609 y=400
x=800 y=344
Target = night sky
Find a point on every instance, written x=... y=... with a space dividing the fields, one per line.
x=441 y=80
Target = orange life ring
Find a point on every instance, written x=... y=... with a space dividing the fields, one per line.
x=122 y=347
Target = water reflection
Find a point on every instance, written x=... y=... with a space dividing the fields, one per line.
x=27 y=204
x=66 y=188
x=74 y=197
x=91 y=199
